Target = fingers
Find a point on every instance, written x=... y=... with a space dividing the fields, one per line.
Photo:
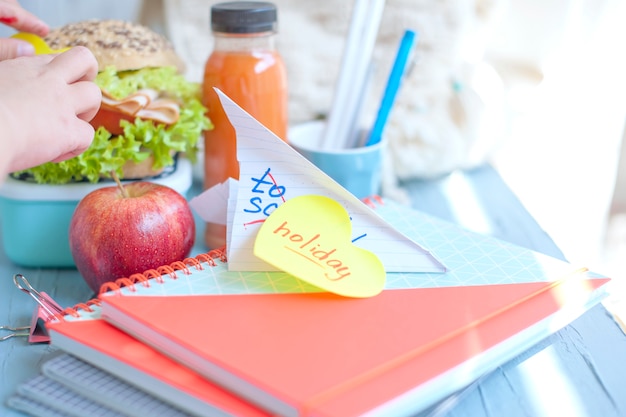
x=79 y=67
x=13 y=48
x=82 y=136
x=12 y=14
x=88 y=97
x=76 y=64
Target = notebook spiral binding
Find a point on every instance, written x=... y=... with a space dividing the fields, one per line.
x=157 y=274
x=147 y=277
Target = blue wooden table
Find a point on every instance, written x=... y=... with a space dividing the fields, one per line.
x=579 y=371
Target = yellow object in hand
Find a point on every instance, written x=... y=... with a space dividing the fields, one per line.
x=41 y=47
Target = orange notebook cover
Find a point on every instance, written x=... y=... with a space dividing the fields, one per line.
x=295 y=351
x=97 y=342
x=319 y=354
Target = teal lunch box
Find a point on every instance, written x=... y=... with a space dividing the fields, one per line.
x=35 y=218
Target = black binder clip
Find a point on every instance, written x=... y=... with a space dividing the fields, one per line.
x=46 y=309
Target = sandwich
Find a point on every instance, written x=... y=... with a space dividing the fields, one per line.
x=149 y=112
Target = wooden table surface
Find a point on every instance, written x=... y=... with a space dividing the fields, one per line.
x=579 y=371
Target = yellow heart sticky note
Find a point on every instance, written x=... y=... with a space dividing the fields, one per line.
x=310 y=237
x=41 y=47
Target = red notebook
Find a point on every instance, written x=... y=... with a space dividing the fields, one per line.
x=318 y=354
x=97 y=342
x=279 y=343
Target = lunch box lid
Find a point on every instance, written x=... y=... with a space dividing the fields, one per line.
x=179 y=178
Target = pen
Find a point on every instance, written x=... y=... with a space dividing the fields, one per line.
x=393 y=84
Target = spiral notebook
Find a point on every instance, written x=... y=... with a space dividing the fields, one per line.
x=495 y=301
x=44 y=397
x=96 y=342
x=69 y=386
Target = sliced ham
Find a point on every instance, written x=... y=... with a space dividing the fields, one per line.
x=131 y=104
x=144 y=104
x=163 y=110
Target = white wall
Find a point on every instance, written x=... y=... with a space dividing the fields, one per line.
x=562 y=155
x=619 y=197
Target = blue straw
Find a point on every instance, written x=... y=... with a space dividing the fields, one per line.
x=393 y=84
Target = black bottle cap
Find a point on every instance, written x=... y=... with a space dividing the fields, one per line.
x=243 y=17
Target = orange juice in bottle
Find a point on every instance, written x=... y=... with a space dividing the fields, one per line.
x=246 y=66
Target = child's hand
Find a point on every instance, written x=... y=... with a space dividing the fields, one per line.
x=46 y=103
x=12 y=14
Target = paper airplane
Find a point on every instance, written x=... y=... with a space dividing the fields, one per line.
x=271 y=172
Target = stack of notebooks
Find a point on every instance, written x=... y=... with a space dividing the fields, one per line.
x=207 y=341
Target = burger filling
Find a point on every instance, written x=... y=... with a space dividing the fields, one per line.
x=144 y=104
x=151 y=111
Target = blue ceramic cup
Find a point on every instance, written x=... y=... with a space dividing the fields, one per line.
x=357 y=169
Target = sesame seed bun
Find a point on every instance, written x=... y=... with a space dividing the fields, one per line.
x=124 y=45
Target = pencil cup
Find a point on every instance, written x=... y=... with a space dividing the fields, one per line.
x=357 y=169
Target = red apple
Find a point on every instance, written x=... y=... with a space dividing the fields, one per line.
x=119 y=231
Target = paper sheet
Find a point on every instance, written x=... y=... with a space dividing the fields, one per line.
x=271 y=172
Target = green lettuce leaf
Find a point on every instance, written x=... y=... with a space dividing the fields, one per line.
x=140 y=140
x=122 y=84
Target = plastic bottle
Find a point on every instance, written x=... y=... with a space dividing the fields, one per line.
x=246 y=66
